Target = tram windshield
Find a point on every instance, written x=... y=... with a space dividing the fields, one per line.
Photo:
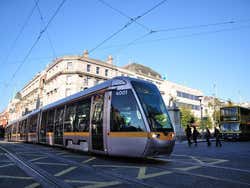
x=153 y=106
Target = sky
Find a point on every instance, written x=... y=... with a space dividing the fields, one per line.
x=201 y=44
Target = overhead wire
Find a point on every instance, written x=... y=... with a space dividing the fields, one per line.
x=47 y=32
x=37 y=39
x=124 y=14
x=123 y=46
x=13 y=44
x=126 y=25
x=187 y=35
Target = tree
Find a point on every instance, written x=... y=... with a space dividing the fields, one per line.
x=206 y=122
x=187 y=117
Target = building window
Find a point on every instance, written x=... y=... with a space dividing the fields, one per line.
x=86 y=80
x=106 y=72
x=69 y=65
x=97 y=70
x=69 y=79
x=187 y=96
x=67 y=92
x=88 y=67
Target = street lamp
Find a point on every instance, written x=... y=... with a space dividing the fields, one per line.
x=201 y=109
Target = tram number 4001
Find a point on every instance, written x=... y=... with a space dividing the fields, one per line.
x=121 y=92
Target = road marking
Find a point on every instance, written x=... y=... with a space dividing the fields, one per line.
x=73 y=156
x=61 y=153
x=142 y=173
x=218 y=161
x=95 y=184
x=33 y=154
x=196 y=159
x=208 y=164
x=6 y=165
x=215 y=178
x=188 y=168
x=88 y=160
x=65 y=171
x=102 y=184
x=33 y=185
x=56 y=164
x=36 y=159
x=16 y=177
x=115 y=166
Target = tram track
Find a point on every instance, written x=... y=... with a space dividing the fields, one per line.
x=200 y=165
x=38 y=174
x=140 y=182
x=99 y=172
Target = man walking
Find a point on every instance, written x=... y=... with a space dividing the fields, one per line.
x=217 y=137
x=189 y=134
x=195 y=135
x=208 y=136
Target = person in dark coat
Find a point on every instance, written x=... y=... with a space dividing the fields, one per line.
x=208 y=136
x=189 y=134
x=217 y=137
x=195 y=135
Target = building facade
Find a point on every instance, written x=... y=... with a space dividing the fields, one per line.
x=4 y=116
x=70 y=74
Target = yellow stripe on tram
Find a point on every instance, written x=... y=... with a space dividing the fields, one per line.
x=32 y=134
x=85 y=134
x=49 y=134
x=162 y=136
x=128 y=134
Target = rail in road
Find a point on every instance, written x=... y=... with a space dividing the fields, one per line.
x=56 y=167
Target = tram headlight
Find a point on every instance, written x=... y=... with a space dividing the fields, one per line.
x=154 y=135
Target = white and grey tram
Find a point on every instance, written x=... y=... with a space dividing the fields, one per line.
x=122 y=117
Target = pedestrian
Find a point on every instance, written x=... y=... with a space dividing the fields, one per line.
x=189 y=134
x=195 y=135
x=208 y=136
x=217 y=137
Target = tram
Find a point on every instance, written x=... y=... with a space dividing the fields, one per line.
x=122 y=116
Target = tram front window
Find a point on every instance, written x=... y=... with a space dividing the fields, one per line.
x=125 y=113
x=153 y=106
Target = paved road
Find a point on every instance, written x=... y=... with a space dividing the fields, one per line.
x=30 y=166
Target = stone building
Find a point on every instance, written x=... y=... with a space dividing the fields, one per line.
x=70 y=74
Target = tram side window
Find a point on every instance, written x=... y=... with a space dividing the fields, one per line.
x=25 y=128
x=69 y=118
x=125 y=113
x=59 y=116
x=44 y=122
x=32 y=124
x=50 y=124
x=82 y=116
x=14 y=128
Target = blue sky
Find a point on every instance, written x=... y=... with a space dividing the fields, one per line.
x=198 y=57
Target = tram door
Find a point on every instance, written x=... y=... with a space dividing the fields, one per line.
x=58 y=133
x=42 y=130
x=97 y=122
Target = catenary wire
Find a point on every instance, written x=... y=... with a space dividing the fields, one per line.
x=37 y=40
x=13 y=45
x=124 y=14
x=47 y=32
x=126 y=25
x=125 y=45
x=186 y=36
